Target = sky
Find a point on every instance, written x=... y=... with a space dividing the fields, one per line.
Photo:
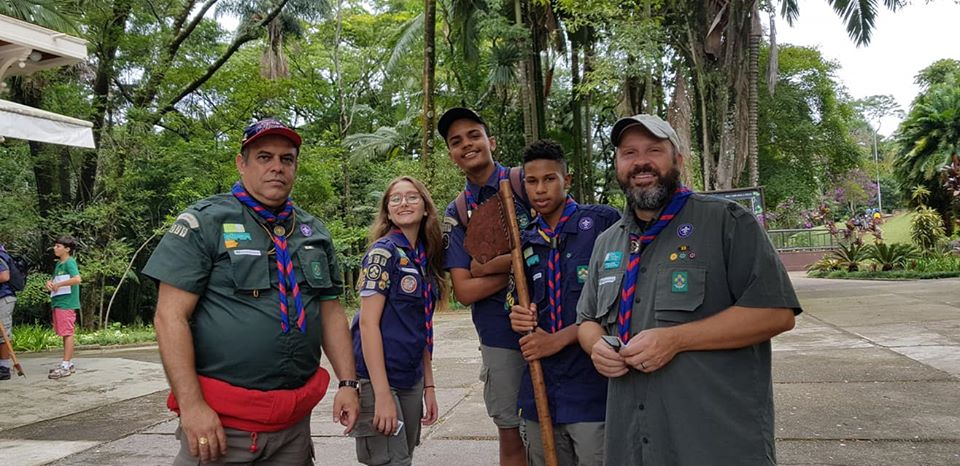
x=903 y=43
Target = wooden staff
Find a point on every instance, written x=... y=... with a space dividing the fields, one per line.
x=6 y=342
x=523 y=294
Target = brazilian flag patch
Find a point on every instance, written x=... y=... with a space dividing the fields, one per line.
x=678 y=282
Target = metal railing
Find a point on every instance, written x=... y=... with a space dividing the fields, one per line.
x=802 y=240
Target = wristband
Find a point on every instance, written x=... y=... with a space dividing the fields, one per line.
x=349 y=383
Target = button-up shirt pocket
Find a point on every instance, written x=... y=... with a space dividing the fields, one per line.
x=250 y=269
x=608 y=297
x=314 y=269
x=679 y=293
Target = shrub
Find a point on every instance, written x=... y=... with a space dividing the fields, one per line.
x=891 y=256
x=849 y=256
x=926 y=229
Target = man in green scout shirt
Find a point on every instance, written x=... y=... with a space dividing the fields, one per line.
x=248 y=297
x=690 y=291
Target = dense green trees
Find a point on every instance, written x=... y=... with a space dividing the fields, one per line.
x=170 y=85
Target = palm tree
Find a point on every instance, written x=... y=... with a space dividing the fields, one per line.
x=60 y=16
x=715 y=38
x=273 y=62
x=929 y=140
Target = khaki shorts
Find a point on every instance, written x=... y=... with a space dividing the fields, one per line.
x=500 y=374
x=289 y=447
x=6 y=314
x=374 y=448
x=577 y=444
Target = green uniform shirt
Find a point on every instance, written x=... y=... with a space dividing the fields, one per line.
x=219 y=250
x=61 y=272
x=704 y=407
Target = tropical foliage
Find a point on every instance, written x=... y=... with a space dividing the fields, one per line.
x=169 y=86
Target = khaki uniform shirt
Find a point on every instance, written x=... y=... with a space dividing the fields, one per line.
x=704 y=407
x=219 y=249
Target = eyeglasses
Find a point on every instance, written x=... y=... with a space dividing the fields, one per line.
x=411 y=198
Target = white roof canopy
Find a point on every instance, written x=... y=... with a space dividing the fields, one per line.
x=26 y=48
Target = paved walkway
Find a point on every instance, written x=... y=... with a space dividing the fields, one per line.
x=870 y=376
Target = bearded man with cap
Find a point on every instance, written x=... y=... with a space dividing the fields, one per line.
x=248 y=299
x=692 y=290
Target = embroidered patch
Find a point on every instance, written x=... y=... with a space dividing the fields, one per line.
x=236 y=237
x=379 y=256
x=692 y=255
x=247 y=252
x=404 y=261
x=373 y=272
x=684 y=230
x=448 y=224
x=606 y=281
x=533 y=260
x=612 y=260
x=233 y=228
x=537 y=276
x=581 y=273
x=673 y=257
x=408 y=284
x=316 y=269
x=683 y=255
x=678 y=282
x=191 y=220
x=179 y=230
x=230 y=244
x=527 y=252
x=306 y=230
x=585 y=224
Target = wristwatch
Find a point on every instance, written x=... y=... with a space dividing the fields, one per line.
x=349 y=383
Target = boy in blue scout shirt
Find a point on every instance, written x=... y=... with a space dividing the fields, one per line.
x=401 y=284
x=557 y=247
x=471 y=147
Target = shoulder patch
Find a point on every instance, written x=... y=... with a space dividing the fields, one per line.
x=380 y=255
x=448 y=224
x=191 y=220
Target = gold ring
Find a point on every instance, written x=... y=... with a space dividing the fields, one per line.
x=642 y=366
x=202 y=440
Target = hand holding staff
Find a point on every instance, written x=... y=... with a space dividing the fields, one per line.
x=523 y=295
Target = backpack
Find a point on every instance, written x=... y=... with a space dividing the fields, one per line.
x=18 y=271
x=516 y=184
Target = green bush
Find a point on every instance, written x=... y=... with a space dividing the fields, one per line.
x=849 y=256
x=926 y=229
x=35 y=337
x=891 y=256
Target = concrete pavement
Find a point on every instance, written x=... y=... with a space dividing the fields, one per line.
x=870 y=376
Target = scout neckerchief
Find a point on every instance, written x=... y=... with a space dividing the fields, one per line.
x=555 y=309
x=420 y=258
x=637 y=242
x=285 y=274
x=502 y=174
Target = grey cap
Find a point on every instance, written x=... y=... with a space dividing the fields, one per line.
x=654 y=124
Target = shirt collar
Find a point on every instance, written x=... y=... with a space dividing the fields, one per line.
x=493 y=181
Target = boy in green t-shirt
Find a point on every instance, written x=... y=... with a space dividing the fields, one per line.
x=65 y=300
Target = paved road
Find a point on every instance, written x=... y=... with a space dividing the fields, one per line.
x=870 y=376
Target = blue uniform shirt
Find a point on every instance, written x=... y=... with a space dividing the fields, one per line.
x=5 y=289
x=389 y=269
x=576 y=392
x=491 y=314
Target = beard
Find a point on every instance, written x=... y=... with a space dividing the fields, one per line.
x=652 y=197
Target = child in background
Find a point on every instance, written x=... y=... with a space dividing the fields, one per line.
x=64 y=291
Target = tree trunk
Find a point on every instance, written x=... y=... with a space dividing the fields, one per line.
x=106 y=53
x=429 y=71
x=754 y=77
x=579 y=179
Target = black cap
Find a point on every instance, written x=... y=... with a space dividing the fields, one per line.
x=454 y=114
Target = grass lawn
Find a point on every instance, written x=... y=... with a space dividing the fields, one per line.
x=896 y=229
